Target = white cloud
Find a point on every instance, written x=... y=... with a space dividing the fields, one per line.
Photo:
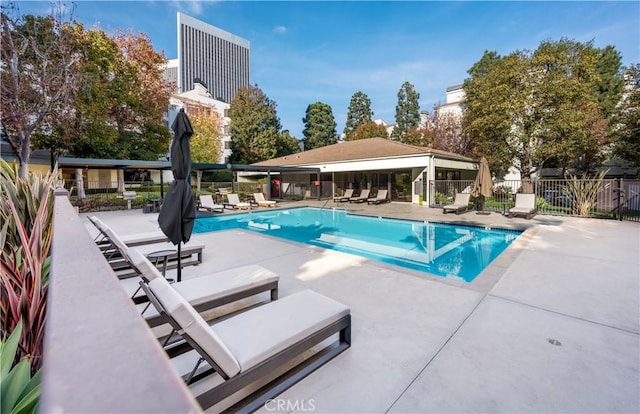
x=192 y=7
x=279 y=30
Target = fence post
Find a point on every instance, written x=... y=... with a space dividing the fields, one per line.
x=619 y=193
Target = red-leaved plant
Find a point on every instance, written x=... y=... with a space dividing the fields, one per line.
x=26 y=214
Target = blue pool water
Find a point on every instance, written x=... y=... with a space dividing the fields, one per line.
x=446 y=250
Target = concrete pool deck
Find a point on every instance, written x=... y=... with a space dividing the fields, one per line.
x=552 y=325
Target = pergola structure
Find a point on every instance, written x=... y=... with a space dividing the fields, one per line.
x=112 y=164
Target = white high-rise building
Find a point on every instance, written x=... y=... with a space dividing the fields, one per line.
x=208 y=55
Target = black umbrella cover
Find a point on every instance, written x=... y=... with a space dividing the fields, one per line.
x=178 y=211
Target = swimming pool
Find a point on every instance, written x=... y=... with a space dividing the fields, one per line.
x=451 y=251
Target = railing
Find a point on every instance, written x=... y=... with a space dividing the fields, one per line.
x=99 y=354
x=614 y=198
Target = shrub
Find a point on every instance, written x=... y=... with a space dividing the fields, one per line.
x=26 y=211
x=583 y=193
x=19 y=391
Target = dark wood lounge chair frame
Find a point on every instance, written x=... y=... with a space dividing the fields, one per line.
x=230 y=386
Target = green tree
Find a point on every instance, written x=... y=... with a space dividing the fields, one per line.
x=319 y=126
x=367 y=129
x=206 y=141
x=609 y=86
x=254 y=127
x=118 y=111
x=37 y=76
x=359 y=111
x=287 y=144
x=407 y=112
x=528 y=108
x=626 y=139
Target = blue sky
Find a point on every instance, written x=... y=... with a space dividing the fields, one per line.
x=305 y=52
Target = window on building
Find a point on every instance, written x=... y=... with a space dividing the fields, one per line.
x=447 y=175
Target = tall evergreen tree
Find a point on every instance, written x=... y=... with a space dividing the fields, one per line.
x=407 y=112
x=254 y=127
x=610 y=85
x=359 y=111
x=319 y=126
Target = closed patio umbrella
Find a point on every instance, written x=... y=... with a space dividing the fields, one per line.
x=178 y=209
x=482 y=187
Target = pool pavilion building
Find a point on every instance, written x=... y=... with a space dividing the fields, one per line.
x=374 y=163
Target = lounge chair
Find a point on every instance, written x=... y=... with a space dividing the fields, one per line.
x=364 y=196
x=525 y=205
x=207 y=203
x=207 y=292
x=249 y=347
x=137 y=239
x=191 y=253
x=262 y=202
x=381 y=197
x=460 y=204
x=233 y=202
x=345 y=197
x=203 y=292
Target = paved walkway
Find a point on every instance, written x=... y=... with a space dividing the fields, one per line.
x=552 y=325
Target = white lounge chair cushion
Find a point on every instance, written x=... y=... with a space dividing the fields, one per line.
x=524 y=210
x=147 y=270
x=131 y=239
x=206 y=201
x=262 y=332
x=194 y=325
x=207 y=288
x=525 y=204
x=144 y=238
x=113 y=237
x=259 y=198
x=461 y=201
x=189 y=247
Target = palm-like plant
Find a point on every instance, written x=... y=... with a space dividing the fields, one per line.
x=26 y=211
x=583 y=193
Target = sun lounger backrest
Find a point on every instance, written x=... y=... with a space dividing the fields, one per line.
x=365 y=193
x=525 y=200
x=206 y=201
x=233 y=198
x=462 y=199
x=348 y=193
x=147 y=270
x=258 y=197
x=95 y=221
x=382 y=195
x=117 y=241
x=194 y=325
x=98 y=223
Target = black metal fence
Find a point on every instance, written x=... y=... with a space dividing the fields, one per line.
x=610 y=198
